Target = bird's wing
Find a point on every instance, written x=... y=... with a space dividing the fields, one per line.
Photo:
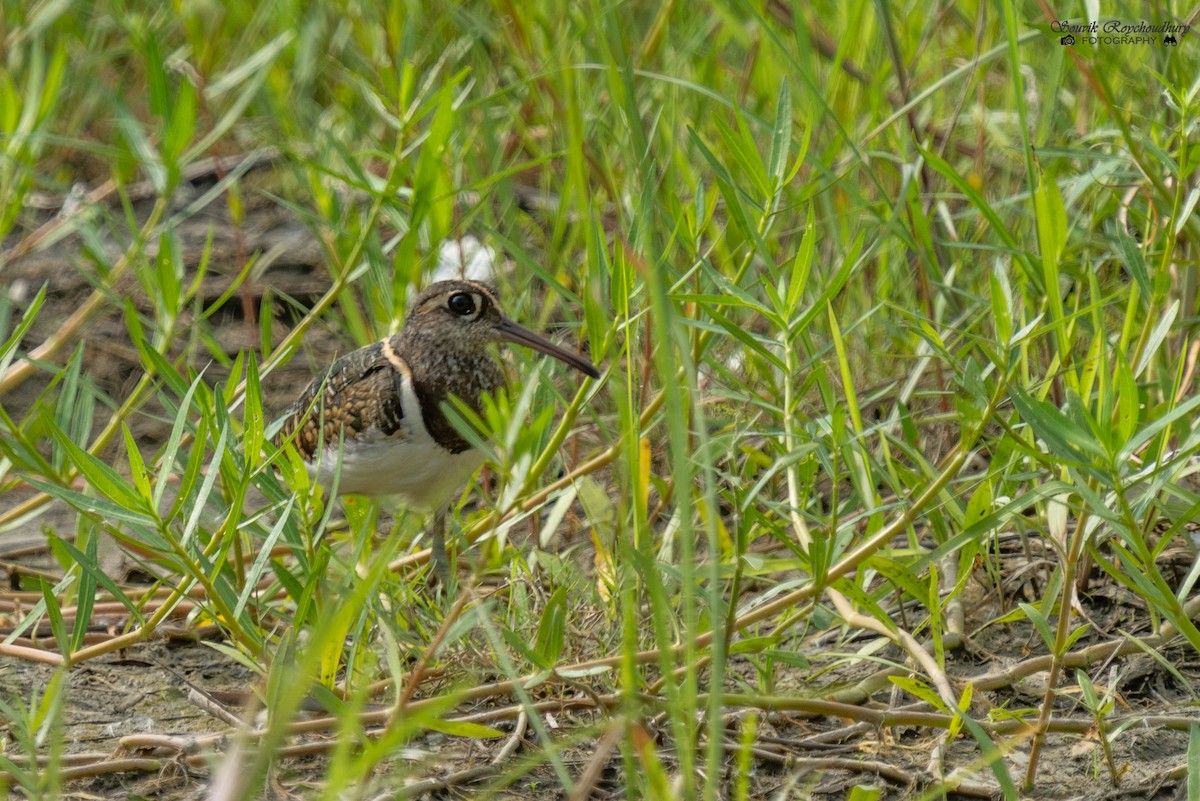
x=361 y=391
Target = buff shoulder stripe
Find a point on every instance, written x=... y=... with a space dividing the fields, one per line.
x=395 y=359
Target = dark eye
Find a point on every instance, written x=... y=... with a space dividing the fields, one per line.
x=462 y=304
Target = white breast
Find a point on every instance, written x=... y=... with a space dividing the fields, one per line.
x=410 y=464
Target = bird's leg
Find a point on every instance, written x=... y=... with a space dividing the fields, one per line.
x=437 y=548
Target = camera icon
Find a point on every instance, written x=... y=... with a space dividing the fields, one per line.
x=1067 y=40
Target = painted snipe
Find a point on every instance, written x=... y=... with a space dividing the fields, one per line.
x=374 y=424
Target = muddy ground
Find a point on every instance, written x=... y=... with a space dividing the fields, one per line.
x=145 y=690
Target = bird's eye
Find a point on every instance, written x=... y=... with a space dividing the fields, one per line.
x=462 y=304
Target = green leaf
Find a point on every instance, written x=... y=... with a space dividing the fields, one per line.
x=747 y=338
x=90 y=567
x=518 y=644
x=1064 y=439
x=781 y=136
x=293 y=588
x=143 y=149
x=788 y=657
x=462 y=728
x=1128 y=402
x=1000 y=294
x=1052 y=225
x=1135 y=261
x=137 y=467
x=181 y=125
x=1039 y=621
x=831 y=286
x=583 y=673
x=206 y=488
x=85 y=590
x=964 y=707
x=919 y=689
x=552 y=627
x=1157 y=336
x=1152 y=430
x=992 y=755
x=731 y=195
x=57 y=625
x=192 y=471
x=263 y=559
x=980 y=504
x=744 y=151
x=74 y=409
x=802 y=267
x=106 y=481
x=254 y=419
x=8 y=350
x=752 y=645
x=899 y=573
x=1087 y=689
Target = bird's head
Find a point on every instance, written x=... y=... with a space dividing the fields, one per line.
x=466 y=316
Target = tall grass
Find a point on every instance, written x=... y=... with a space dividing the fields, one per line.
x=870 y=286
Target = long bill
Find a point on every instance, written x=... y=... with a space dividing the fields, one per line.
x=516 y=333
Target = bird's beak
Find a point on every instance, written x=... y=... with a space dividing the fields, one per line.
x=508 y=331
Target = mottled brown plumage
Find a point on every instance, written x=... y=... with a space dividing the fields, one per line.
x=374 y=424
x=360 y=390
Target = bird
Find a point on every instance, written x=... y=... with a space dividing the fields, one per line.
x=373 y=424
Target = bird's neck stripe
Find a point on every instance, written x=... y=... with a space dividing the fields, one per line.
x=395 y=359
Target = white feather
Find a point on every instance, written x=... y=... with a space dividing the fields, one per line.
x=410 y=464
